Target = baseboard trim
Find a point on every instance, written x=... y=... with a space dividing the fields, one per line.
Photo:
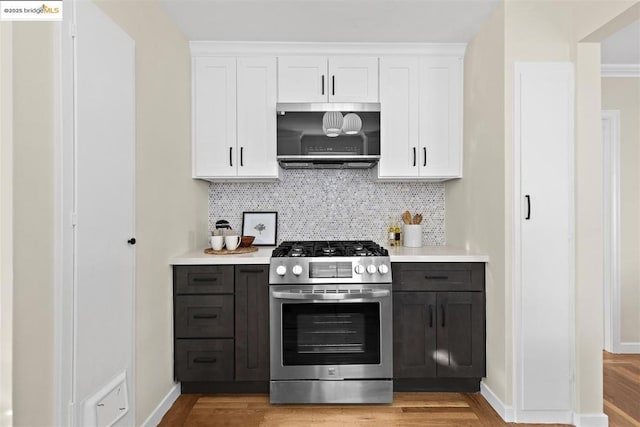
x=628 y=348
x=590 y=420
x=163 y=407
x=505 y=412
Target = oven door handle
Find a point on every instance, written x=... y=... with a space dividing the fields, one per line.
x=324 y=296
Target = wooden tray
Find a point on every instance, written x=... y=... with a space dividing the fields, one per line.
x=236 y=251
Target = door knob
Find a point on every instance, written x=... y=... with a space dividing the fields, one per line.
x=132 y=241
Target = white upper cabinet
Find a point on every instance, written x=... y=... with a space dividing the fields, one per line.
x=327 y=79
x=234 y=118
x=421 y=118
x=257 y=118
x=214 y=117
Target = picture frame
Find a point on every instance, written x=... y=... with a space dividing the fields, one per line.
x=262 y=225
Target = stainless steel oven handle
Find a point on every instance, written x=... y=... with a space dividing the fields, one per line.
x=296 y=295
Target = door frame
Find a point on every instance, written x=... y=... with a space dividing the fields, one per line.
x=6 y=224
x=519 y=414
x=611 y=176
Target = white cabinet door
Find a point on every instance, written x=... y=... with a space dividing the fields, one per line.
x=398 y=118
x=256 y=149
x=302 y=79
x=543 y=146
x=353 y=79
x=214 y=117
x=440 y=117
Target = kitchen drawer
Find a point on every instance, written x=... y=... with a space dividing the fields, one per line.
x=454 y=276
x=204 y=360
x=204 y=316
x=203 y=279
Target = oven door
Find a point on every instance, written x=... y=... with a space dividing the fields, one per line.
x=331 y=332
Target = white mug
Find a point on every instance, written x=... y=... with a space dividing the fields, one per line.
x=217 y=242
x=232 y=242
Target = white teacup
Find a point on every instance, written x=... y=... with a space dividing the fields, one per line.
x=217 y=242
x=232 y=242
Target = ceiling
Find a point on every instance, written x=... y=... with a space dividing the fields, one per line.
x=429 y=21
x=622 y=47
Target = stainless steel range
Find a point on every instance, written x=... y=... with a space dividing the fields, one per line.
x=331 y=323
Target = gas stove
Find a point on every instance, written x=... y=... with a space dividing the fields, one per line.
x=318 y=262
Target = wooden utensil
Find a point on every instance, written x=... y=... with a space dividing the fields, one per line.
x=406 y=217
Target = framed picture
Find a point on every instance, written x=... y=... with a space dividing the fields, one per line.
x=263 y=225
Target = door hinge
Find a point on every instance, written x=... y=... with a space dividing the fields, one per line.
x=74 y=219
x=73 y=31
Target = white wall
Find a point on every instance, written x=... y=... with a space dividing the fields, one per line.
x=171 y=208
x=624 y=94
x=475 y=214
x=33 y=132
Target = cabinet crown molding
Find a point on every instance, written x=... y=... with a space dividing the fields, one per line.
x=240 y=48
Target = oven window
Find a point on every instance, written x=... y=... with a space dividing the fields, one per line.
x=331 y=333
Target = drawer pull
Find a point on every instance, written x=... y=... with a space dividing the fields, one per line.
x=430 y=316
x=442 y=308
x=205 y=316
x=436 y=277
x=205 y=360
x=251 y=270
x=199 y=280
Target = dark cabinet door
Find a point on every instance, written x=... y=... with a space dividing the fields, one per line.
x=252 y=322
x=414 y=334
x=461 y=332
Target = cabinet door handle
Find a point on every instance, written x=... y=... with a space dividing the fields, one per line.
x=430 y=316
x=442 y=308
x=436 y=277
x=322 y=84
x=230 y=156
x=205 y=360
x=333 y=85
x=414 y=156
x=528 y=198
x=241 y=156
x=205 y=316
x=424 y=151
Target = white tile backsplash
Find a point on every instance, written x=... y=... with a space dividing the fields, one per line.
x=340 y=204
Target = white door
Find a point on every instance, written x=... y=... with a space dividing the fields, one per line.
x=353 y=79
x=440 y=117
x=214 y=124
x=544 y=281
x=257 y=117
x=302 y=79
x=398 y=118
x=104 y=259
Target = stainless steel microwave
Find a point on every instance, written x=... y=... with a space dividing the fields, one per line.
x=328 y=135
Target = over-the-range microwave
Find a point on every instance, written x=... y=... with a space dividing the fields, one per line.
x=328 y=135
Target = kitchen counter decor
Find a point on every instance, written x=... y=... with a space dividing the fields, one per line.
x=237 y=251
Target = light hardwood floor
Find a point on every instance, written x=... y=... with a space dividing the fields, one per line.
x=408 y=409
x=622 y=389
x=621 y=393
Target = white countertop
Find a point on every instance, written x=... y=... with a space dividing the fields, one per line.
x=434 y=254
x=198 y=257
x=401 y=254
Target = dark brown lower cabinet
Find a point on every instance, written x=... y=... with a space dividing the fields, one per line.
x=438 y=335
x=252 y=323
x=221 y=328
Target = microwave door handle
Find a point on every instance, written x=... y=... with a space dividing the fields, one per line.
x=324 y=297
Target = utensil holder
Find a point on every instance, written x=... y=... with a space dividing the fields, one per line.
x=413 y=235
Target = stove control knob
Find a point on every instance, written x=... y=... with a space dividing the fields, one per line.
x=281 y=270
x=297 y=270
x=371 y=269
x=383 y=268
x=359 y=269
